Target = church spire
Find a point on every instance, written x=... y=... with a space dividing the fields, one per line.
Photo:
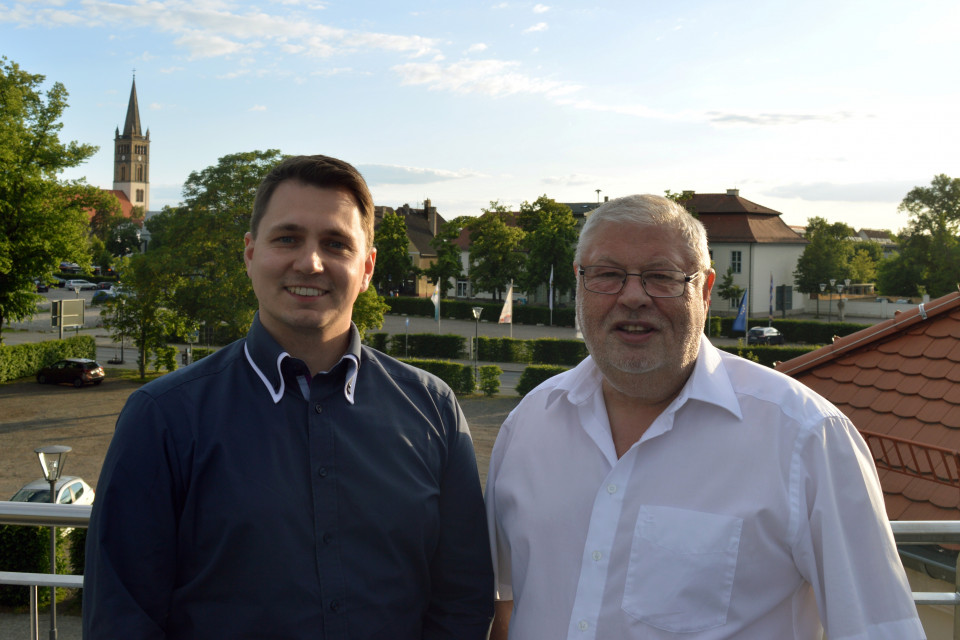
x=132 y=126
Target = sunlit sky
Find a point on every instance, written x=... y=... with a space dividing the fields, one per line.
x=823 y=108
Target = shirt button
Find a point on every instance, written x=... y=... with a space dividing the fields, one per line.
x=583 y=625
x=597 y=556
x=318 y=408
x=327 y=538
x=611 y=489
x=334 y=605
x=322 y=472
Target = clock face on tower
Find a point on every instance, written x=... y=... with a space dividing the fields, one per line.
x=139 y=158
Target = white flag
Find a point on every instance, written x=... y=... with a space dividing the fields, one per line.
x=551 y=287
x=506 y=314
x=435 y=298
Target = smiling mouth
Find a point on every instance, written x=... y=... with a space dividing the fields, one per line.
x=304 y=291
x=632 y=328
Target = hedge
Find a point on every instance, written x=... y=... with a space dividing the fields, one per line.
x=458 y=376
x=25 y=549
x=801 y=331
x=24 y=360
x=534 y=374
x=428 y=345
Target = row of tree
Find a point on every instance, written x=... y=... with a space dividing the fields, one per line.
x=524 y=249
x=926 y=261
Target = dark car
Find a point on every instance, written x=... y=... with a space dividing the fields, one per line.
x=42 y=286
x=76 y=371
x=104 y=285
x=764 y=335
x=100 y=296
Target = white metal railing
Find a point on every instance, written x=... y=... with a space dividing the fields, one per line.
x=920 y=532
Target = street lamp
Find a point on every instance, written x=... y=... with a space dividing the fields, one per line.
x=823 y=287
x=51 y=461
x=833 y=281
x=476 y=345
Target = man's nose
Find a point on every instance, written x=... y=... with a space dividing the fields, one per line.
x=310 y=260
x=633 y=294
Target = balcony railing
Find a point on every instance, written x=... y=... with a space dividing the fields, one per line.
x=920 y=532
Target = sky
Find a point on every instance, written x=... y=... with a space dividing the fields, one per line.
x=828 y=108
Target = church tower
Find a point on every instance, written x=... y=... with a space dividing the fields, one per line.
x=131 y=156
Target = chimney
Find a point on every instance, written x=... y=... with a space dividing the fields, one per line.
x=733 y=192
x=431 y=217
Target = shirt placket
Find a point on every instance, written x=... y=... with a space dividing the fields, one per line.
x=595 y=561
x=325 y=479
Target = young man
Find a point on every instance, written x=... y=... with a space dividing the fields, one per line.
x=295 y=484
x=665 y=489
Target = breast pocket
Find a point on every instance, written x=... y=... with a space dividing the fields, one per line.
x=681 y=568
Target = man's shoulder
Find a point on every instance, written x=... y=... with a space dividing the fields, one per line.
x=206 y=371
x=402 y=373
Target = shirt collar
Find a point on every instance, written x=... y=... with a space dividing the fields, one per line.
x=709 y=382
x=266 y=356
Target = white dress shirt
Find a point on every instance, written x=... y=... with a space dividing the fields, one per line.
x=750 y=504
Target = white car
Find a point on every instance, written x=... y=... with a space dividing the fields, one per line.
x=70 y=490
x=80 y=284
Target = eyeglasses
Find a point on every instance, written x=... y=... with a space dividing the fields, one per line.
x=658 y=283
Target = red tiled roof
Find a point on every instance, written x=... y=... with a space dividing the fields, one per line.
x=730 y=218
x=897 y=382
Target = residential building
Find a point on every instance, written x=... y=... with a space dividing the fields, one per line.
x=422 y=226
x=756 y=244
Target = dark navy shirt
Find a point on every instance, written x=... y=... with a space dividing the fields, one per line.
x=243 y=498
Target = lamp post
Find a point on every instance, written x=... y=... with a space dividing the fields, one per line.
x=51 y=461
x=833 y=281
x=823 y=287
x=476 y=345
x=840 y=304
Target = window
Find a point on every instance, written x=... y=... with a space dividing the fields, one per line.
x=463 y=288
x=736 y=261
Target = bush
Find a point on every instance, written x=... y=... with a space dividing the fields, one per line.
x=24 y=360
x=504 y=350
x=78 y=550
x=458 y=376
x=378 y=341
x=428 y=345
x=490 y=379
x=534 y=374
x=27 y=550
x=555 y=351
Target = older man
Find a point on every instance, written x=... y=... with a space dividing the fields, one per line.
x=295 y=484
x=664 y=489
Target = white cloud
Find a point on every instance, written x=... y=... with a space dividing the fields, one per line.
x=495 y=78
x=394 y=174
x=171 y=69
x=258 y=107
x=572 y=180
x=879 y=191
x=500 y=5
x=476 y=48
x=777 y=119
x=540 y=26
x=205 y=45
x=540 y=8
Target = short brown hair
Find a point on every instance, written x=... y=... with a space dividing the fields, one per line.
x=318 y=171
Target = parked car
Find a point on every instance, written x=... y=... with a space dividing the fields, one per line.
x=59 y=283
x=103 y=295
x=764 y=335
x=76 y=371
x=42 y=285
x=70 y=490
x=104 y=285
x=83 y=285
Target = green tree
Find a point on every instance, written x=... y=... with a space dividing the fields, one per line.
x=684 y=199
x=200 y=243
x=143 y=311
x=826 y=256
x=368 y=311
x=495 y=250
x=729 y=291
x=447 y=266
x=550 y=237
x=863 y=266
x=929 y=248
x=42 y=219
x=394 y=266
